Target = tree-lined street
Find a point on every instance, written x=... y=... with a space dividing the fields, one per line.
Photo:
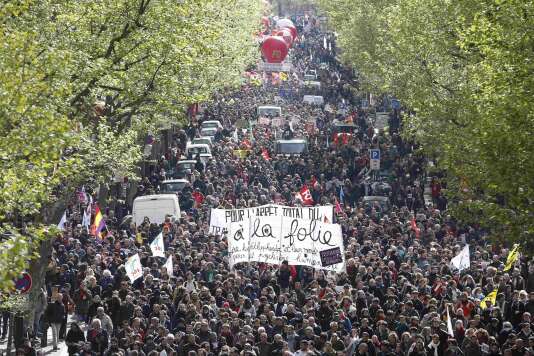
x=255 y=178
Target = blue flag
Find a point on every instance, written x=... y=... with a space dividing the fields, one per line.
x=341 y=195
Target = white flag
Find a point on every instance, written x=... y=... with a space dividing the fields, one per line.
x=134 y=269
x=462 y=260
x=157 y=246
x=86 y=221
x=63 y=221
x=449 y=323
x=169 y=266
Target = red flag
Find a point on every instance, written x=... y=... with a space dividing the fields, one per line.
x=313 y=181
x=438 y=288
x=198 y=197
x=265 y=154
x=338 y=207
x=246 y=144
x=305 y=195
x=415 y=228
x=343 y=136
x=293 y=271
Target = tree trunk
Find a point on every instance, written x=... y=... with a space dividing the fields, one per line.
x=37 y=269
x=10 y=334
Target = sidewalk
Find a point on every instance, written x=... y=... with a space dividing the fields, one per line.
x=61 y=351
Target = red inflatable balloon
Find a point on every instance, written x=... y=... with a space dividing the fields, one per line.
x=274 y=49
x=284 y=22
x=291 y=28
x=286 y=35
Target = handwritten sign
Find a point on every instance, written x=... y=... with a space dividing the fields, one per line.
x=331 y=257
x=276 y=122
x=134 y=269
x=273 y=239
x=264 y=121
x=221 y=218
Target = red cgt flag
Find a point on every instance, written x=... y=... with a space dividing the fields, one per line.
x=246 y=144
x=305 y=195
x=265 y=154
x=415 y=228
x=338 y=208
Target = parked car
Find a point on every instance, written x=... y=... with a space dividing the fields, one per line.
x=370 y=201
x=209 y=132
x=291 y=147
x=197 y=149
x=211 y=124
x=184 y=167
x=310 y=75
x=313 y=99
x=172 y=186
x=267 y=110
x=202 y=140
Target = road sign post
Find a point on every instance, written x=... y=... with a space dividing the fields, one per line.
x=374 y=159
x=24 y=283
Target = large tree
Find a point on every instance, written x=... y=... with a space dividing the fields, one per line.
x=142 y=61
x=465 y=69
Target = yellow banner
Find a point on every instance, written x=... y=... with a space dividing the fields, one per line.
x=241 y=154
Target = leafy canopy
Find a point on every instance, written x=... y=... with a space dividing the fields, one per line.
x=83 y=82
x=465 y=69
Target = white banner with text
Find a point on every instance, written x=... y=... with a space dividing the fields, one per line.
x=220 y=219
x=273 y=239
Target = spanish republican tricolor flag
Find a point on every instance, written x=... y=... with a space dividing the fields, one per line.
x=98 y=224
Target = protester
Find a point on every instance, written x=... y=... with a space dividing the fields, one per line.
x=398 y=289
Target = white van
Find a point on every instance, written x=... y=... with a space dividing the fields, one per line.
x=274 y=111
x=155 y=207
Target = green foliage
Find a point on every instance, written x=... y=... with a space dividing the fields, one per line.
x=466 y=69
x=15 y=253
x=142 y=61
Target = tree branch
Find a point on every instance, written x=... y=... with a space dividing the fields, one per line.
x=110 y=87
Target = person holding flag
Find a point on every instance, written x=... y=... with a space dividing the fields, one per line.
x=265 y=154
x=87 y=212
x=415 y=228
x=341 y=195
x=63 y=221
x=99 y=224
x=157 y=246
x=305 y=196
x=489 y=300
x=513 y=256
x=462 y=260
x=169 y=266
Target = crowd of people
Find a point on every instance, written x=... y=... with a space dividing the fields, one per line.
x=393 y=298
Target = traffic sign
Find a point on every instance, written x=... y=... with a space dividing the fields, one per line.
x=24 y=283
x=374 y=159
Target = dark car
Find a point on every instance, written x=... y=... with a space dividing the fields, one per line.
x=291 y=147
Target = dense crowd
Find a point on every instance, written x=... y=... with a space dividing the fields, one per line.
x=398 y=285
